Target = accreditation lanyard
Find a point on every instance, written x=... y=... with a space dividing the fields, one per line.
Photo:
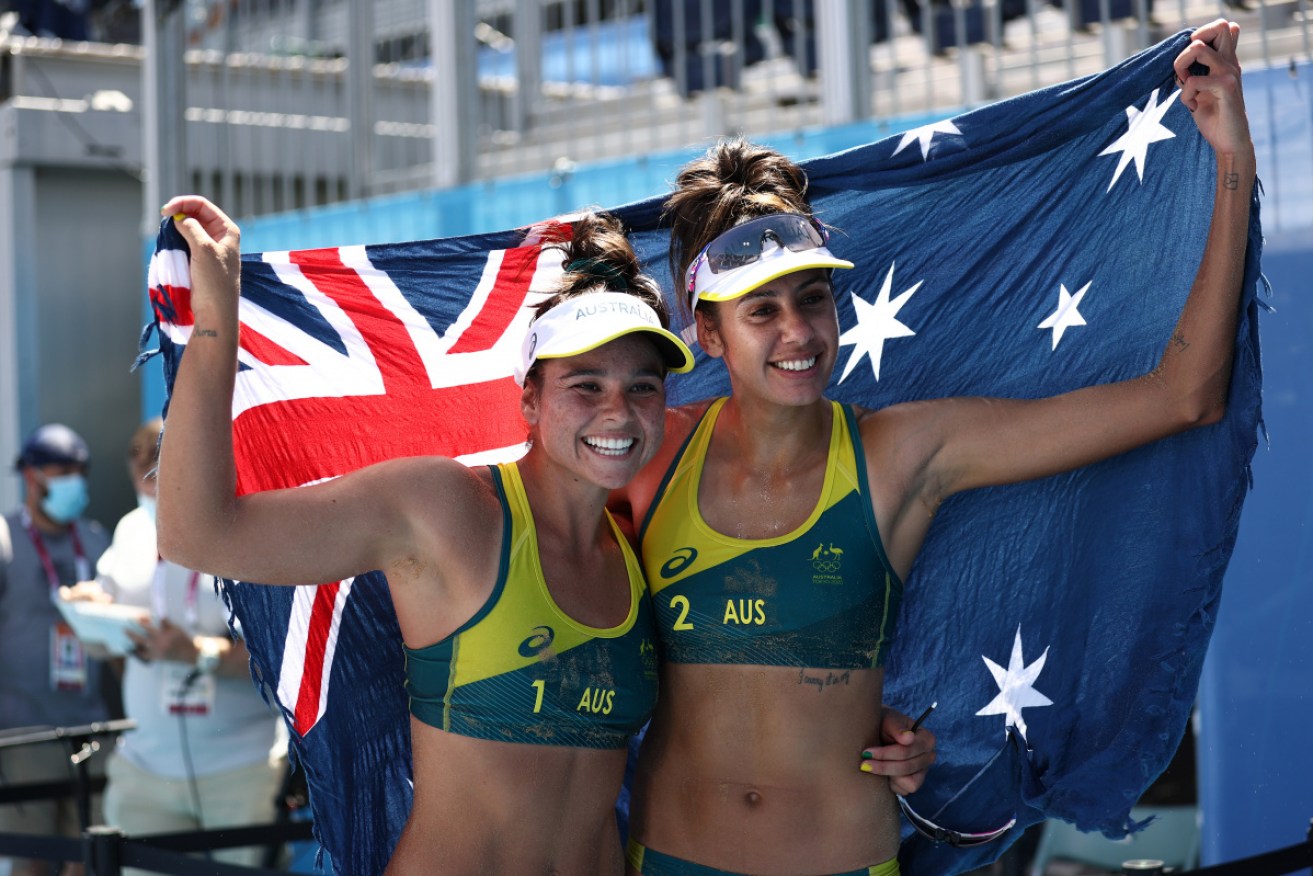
x=159 y=597
x=68 y=665
x=81 y=565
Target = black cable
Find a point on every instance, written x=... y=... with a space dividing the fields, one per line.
x=192 y=784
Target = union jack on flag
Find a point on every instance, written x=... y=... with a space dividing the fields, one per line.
x=332 y=341
x=1022 y=249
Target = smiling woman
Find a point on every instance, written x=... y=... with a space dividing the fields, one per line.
x=777 y=526
x=530 y=655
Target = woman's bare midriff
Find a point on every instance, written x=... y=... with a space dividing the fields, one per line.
x=495 y=807
x=756 y=769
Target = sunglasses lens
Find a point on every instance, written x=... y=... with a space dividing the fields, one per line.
x=744 y=244
x=954 y=838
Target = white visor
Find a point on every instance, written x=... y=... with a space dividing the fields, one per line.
x=586 y=322
x=774 y=262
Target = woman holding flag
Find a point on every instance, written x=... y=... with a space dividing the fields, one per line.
x=529 y=643
x=772 y=675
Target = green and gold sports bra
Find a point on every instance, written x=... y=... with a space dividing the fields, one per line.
x=522 y=670
x=822 y=596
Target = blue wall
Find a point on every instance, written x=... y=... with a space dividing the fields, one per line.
x=1256 y=696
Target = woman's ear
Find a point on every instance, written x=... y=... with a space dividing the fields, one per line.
x=708 y=333
x=529 y=399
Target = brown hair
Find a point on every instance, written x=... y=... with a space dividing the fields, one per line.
x=599 y=258
x=734 y=181
x=144 y=449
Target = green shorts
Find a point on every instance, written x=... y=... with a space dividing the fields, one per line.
x=647 y=862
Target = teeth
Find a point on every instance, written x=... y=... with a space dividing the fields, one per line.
x=610 y=446
x=796 y=364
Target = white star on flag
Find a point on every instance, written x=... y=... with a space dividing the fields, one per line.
x=1066 y=315
x=1145 y=127
x=876 y=323
x=1016 y=687
x=925 y=134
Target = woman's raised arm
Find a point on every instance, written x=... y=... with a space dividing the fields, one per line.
x=945 y=446
x=329 y=531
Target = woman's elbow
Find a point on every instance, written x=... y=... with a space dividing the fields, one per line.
x=173 y=543
x=1204 y=409
x=184 y=542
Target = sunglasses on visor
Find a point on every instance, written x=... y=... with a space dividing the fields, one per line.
x=957 y=839
x=744 y=244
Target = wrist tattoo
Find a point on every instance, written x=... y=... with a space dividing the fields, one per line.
x=205 y=333
x=1231 y=180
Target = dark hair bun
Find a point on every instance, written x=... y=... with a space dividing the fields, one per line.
x=734 y=181
x=598 y=257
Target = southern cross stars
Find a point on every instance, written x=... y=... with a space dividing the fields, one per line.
x=1016 y=687
x=1066 y=315
x=1145 y=127
x=925 y=134
x=876 y=323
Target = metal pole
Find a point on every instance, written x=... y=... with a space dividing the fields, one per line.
x=359 y=96
x=164 y=87
x=528 y=34
x=845 y=69
x=101 y=847
x=451 y=48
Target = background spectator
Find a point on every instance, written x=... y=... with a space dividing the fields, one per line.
x=46 y=679
x=207 y=751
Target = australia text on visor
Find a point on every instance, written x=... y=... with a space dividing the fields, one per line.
x=744 y=244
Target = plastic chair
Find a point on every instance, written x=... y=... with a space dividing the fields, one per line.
x=1172 y=837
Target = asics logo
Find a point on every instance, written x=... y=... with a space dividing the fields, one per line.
x=681 y=560
x=538 y=642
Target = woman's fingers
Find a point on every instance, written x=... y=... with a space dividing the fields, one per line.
x=198 y=220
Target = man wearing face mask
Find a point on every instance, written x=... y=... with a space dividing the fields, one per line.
x=46 y=678
x=207 y=752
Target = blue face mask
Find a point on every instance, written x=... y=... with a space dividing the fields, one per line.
x=66 y=497
x=147 y=504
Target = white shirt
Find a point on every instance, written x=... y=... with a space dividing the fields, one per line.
x=238 y=729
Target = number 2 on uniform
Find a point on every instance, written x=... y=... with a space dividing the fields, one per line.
x=681 y=622
x=538 y=685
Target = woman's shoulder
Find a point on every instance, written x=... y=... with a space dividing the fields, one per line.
x=433 y=486
x=683 y=419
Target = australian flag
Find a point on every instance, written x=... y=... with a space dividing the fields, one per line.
x=1023 y=249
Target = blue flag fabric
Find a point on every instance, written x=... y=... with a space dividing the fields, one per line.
x=1024 y=249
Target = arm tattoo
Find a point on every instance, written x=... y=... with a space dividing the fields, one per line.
x=206 y=333
x=1179 y=341
x=1231 y=180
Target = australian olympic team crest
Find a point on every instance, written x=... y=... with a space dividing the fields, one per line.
x=648 y=654
x=827 y=561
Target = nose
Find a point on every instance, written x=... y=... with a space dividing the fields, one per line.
x=794 y=326
x=614 y=404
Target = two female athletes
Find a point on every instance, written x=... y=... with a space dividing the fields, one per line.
x=745 y=769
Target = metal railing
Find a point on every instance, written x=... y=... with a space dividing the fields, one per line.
x=297 y=103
